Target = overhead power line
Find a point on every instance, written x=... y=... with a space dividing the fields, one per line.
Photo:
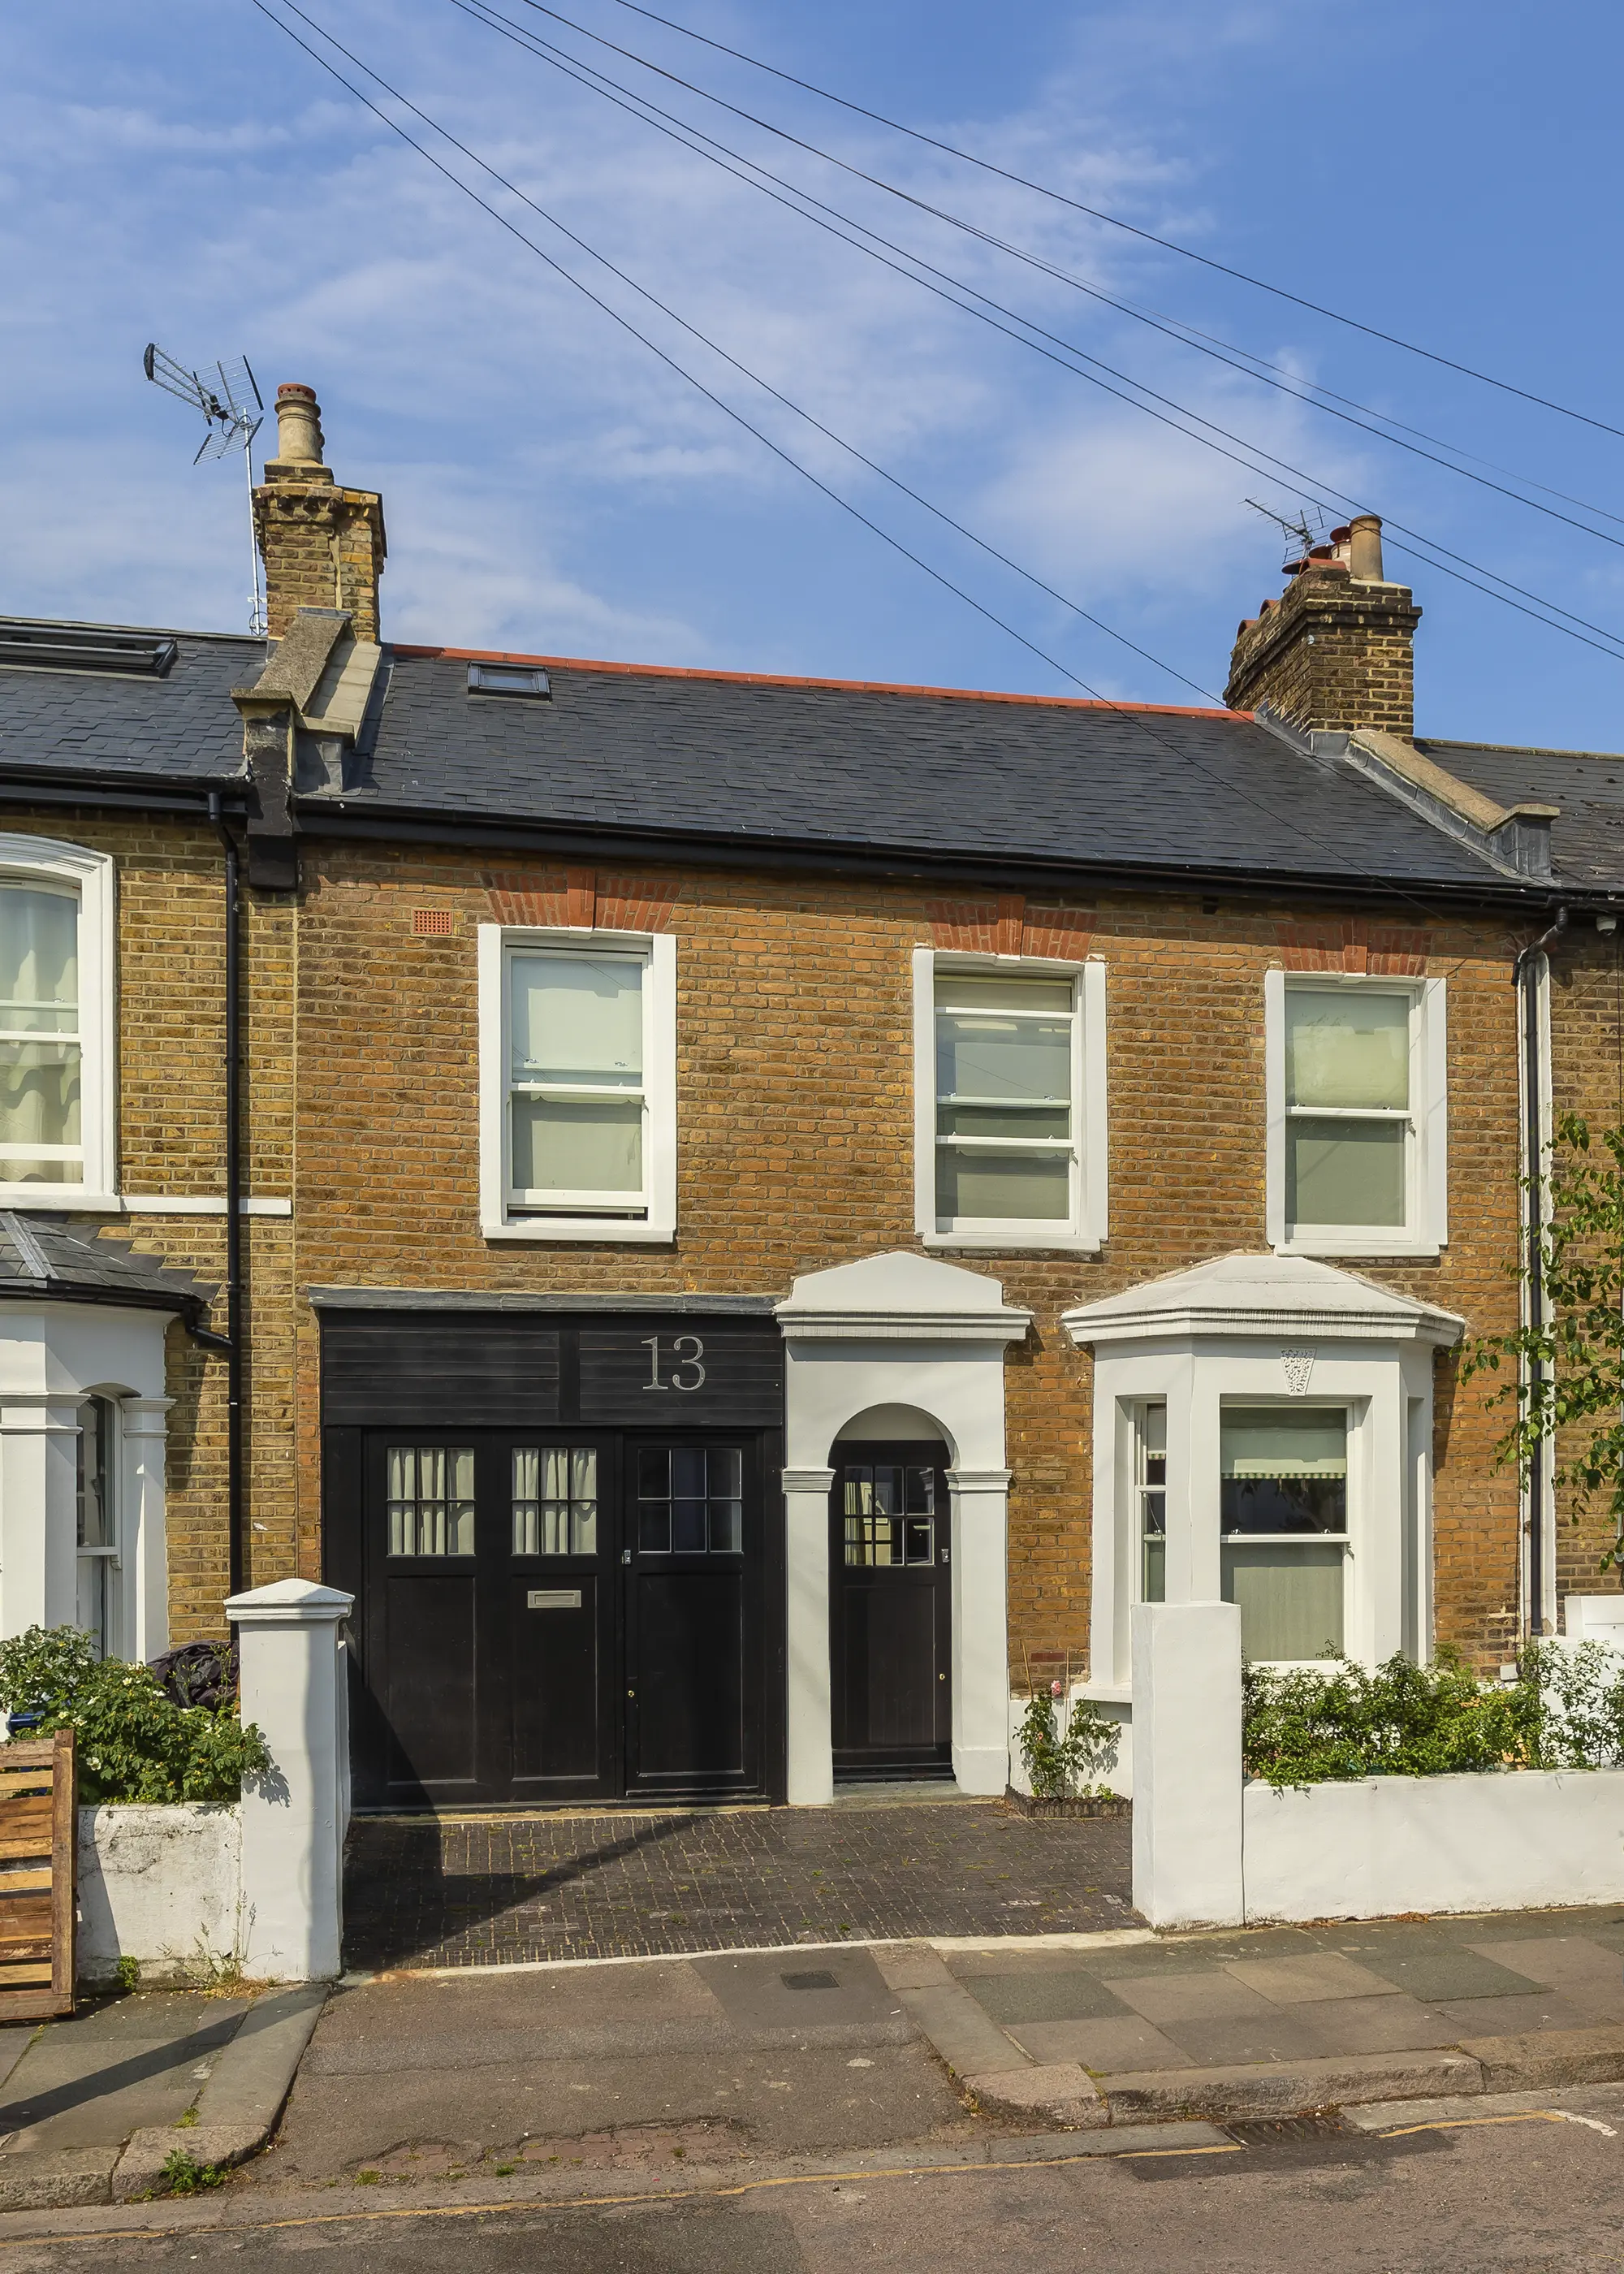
x=1115 y=220
x=1134 y=718
x=798 y=200
x=1247 y=455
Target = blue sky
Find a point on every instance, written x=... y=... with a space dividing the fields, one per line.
x=1447 y=173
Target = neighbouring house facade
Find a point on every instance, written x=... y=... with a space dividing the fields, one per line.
x=769 y=1212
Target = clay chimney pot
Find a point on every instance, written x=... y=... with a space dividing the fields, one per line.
x=299 y=425
x=1364 y=549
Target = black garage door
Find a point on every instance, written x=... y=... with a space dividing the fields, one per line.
x=565 y=1537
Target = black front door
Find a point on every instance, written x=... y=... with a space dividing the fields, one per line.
x=891 y=1611
x=554 y=1617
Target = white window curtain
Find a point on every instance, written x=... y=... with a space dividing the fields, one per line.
x=41 y=1044
x=1006 y=1059
x=1348 y=1135
x=576 y=1099
x=1283 y=1490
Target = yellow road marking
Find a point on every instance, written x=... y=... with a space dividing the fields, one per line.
x=607 y=2203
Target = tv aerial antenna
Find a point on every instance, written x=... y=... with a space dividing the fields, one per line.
x=1302 y=534
x=227 y=394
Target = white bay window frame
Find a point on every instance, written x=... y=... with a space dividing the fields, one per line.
x=644 y=1217
x=1250 y=1332
x=90 y=878
x=1081 y=1232
x=1426 y=1229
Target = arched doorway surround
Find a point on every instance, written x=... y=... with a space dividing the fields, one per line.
x=899 y=1330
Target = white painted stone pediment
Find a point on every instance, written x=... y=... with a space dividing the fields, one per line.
x=1287 y=1298
x=900 y=1294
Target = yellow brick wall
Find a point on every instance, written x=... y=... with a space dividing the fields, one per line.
x=795 y=1104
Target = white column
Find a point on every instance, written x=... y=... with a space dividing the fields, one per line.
x=143 y=1576
x=39 y=1512
x=1187 y=1860
x=981 y=1507
x=809 y=1731
x=293 y=1828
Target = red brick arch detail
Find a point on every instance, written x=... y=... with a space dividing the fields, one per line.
x=1008 y=926
x=582 y=898
x=1353 y=943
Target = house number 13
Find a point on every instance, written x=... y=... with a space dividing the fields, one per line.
x=689 y=1353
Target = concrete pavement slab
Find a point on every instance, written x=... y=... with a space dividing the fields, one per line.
x=1515 y=2016
x=1056 y=1995
x=1318 y=1974
x=1129 y=2042
x=1394 y=2024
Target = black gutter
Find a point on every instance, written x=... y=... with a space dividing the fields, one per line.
x=320 y=819
x=235 y=1353
x=1525 y=975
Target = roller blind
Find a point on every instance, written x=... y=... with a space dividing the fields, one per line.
x=1266 y=1441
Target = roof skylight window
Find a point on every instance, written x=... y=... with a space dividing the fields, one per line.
x=507 y=679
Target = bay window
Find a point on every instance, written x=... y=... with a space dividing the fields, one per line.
x=577 y=1052
x=1011 y=1106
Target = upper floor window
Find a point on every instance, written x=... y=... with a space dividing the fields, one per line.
x=1011 y=1105
x=577 y=1072
x=1357 y=1111
x=57 y=1105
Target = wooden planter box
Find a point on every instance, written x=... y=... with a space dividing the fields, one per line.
x=1112 y=1804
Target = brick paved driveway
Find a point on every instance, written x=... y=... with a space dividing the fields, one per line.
x=479 y=1892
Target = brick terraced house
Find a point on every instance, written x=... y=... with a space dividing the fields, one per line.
x=745 y=1218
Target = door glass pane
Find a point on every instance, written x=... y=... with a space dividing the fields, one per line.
x=555 y=1499
x=689 y=1500
x=1284 y=1469
x=577 y=1145
x=39 y=960
x=1346 y=1047
x=1290 y=1596
x=577 y=1018
x=888 y=1514
x=429 y=1496
x=1030 y=1187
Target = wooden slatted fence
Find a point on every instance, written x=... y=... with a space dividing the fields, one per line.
x=39 y=1847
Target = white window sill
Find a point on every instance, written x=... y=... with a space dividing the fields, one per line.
x=1002 y=1243
x=1368 y=1247
x=55 y=1200
x=617 y=1230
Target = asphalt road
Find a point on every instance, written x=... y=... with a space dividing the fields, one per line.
x=1517 y=2192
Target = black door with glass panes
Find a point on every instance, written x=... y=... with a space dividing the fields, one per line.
x=891 y=1625
x=561 y=1610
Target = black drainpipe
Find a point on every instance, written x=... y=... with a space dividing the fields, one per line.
x=1525 y=975
x=234 y=1217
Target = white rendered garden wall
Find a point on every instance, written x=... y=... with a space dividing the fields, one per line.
x=1211 y=1850
x=194 y=1890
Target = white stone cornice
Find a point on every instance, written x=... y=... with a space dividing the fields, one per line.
x=900 y=1297
x=1291 y=1299
x=808 y=1480
x=980 y=1480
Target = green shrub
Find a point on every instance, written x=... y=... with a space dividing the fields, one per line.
x=1059 y=1767
x=1322 y=1725
x=134 y=1741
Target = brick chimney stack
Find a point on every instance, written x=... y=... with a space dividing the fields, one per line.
x=1337 y=650
x=322 y=546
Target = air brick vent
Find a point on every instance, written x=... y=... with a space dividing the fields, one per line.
x=434 y=922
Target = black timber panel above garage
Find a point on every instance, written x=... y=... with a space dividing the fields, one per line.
x=663 y=1368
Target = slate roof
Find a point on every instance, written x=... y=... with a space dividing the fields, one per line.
x=39 y=1256
x=827 y=763
x=1587 y=841
x=692 y=758
x=180 y=727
